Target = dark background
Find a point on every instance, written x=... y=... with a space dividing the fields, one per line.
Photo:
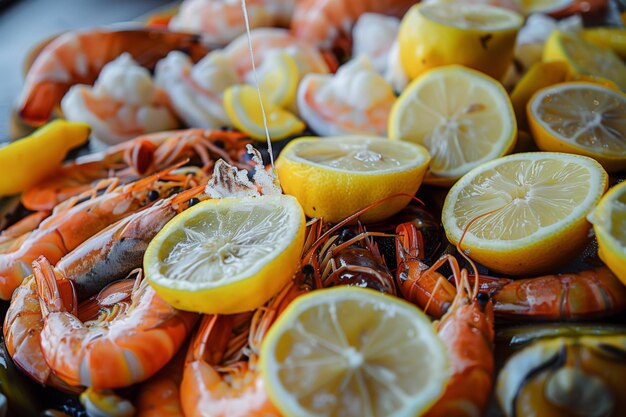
x=23 y=23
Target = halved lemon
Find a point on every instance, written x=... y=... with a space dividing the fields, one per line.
x=336 y=176
x=540 y=75
x=609 y=224
x=278 y=78
x=537 y=203
x=227 y=256
x=350 y=351
x=585 y=58
x=583 y=118
x=478 y=36
x=243 y=108
x=463 y=118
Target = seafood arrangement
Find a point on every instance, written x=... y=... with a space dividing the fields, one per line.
x=320 y=208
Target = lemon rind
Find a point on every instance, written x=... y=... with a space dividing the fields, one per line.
x=421 y=155
x=283 y=399
x=597 y=176
x=291 y=221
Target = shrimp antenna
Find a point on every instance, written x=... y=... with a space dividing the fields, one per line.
x=258 y=90
x=353 y=216
x=466 y=256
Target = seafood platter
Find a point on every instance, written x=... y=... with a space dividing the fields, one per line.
x=320 y=208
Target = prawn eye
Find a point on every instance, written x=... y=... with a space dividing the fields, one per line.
x=483 y=299
x=193 y=201
x=308 y=270
x=345 y=235
x=153 y=195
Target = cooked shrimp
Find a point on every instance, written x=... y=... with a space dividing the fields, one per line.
x=71 y=225
x=221 y=21
x=374 y=35
x=355 y=100
x=103 y=258
x=328 y=23
x=77 y=58
x=160 y=395
x=121 y=347
x=122 y=104
x=133 y=159
x=22 y=335
x=196 y=91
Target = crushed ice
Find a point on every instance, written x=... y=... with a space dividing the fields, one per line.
x=231 y=182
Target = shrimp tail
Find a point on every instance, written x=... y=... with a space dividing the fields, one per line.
x=55 y=294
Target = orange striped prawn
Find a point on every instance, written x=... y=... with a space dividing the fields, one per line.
x=58 y=234
x=121 y=347
x=133 y=159
x=109 y=255
x=467 y=332
x=573 y=296
x=77 y=58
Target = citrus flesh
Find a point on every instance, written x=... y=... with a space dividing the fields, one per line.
x=478 y=36
x=336 y=176
x=585 y=58
x=609 y=225
x=462 y=117
x=348 y=351
x=243 y=108
x=226 y=256
x=582 y=118
x=537 y=203
x=278 y=78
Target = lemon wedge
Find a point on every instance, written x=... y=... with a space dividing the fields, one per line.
x=582 y=118
x=278 y=78
x=538 y=201
x=463 y=118
x=27 y=161
x=609 y=224
x=242 y=106
x=478 y=36
x=227 y=256
x=585 y=58
x=350 y=351
x=336 y=176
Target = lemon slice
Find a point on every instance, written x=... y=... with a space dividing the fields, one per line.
x=539 y=202
x=337 y=176
x=585 y=58
x=582 y=118
x=278 y=78
x=463 y=118
x=540 y=75
x=242 y=106
x=349 y=351
x=228 y=255
x=478 y=36
x=609 y=224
